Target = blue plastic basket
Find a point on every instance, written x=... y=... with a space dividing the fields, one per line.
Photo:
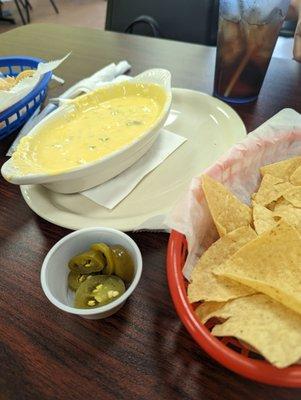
x=15 y=116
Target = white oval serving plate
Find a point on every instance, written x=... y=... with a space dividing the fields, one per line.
x=211 y=128
x=92 y=174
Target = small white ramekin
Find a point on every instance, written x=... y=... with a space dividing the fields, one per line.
x=55 y=270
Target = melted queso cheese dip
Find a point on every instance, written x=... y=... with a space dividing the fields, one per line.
x=96 y=125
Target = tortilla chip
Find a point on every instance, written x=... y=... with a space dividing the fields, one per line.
x=227 y=211
x=204 y=284
x=270 y=264
x=283 y=169
x=287 y=212
x=206 y=310
x=263 y=219
x=293 y=195
x=268 y=190
x=263 y=323
x=295 y=178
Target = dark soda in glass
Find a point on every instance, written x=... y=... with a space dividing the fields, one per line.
x=248 y=31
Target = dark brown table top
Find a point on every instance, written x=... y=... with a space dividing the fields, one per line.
x=142 y=352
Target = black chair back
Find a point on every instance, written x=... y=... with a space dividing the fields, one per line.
x=189 y=21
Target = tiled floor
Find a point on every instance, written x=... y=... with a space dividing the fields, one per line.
x=90 y=13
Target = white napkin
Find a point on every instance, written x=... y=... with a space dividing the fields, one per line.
x=99 y=78
x=112 y=192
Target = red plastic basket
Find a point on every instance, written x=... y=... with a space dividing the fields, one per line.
x=227 y=351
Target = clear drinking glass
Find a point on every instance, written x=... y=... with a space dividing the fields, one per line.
x=248 y=31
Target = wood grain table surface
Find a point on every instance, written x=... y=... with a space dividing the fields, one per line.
x=142 y=352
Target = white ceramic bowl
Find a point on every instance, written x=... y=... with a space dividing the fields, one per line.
x=92 y=174
x=54 y=273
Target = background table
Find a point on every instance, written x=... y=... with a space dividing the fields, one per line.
x=143 y=352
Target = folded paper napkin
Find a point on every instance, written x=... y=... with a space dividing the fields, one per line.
x=112 y=192
x=238 y=169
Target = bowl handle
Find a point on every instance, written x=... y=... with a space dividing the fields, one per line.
x=159 y=76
